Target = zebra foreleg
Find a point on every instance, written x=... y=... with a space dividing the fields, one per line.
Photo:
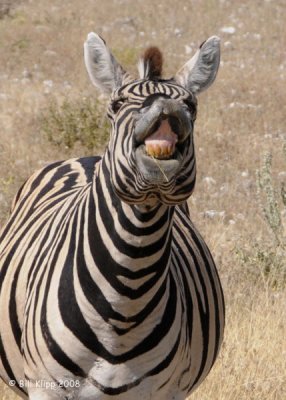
x=43 y=394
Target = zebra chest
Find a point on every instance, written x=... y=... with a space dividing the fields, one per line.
x=147 y=390
x=140 y=357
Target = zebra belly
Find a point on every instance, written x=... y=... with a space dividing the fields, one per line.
x=171 y=370
x=159 y=373
x=147 y=390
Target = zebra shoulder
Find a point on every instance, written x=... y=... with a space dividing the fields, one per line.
x=72 y=173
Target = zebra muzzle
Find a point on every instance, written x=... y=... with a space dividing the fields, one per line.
x=160 y=133
x=162 y=143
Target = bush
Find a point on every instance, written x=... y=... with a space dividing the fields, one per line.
x=5 y=8
x=76 y=121
x=268 y=197
x=269 y=258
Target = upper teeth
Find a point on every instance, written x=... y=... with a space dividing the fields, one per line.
x=157 y=150
x=162 y=142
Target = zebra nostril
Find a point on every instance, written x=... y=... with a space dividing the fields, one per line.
x=165 y=111
x=175 y=125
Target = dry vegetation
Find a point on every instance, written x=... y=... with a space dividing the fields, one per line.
x=240 y=118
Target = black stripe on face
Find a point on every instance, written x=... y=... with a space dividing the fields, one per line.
x=150 y=99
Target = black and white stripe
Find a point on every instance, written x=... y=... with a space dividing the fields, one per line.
x=107 y=289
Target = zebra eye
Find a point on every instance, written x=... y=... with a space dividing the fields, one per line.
x=190 y=105
x=116 y=104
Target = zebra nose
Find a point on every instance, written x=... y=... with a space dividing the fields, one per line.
x=178 y=119
x=169 y=107
x=159 y=110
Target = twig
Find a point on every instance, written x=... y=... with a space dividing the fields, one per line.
x=158 y=165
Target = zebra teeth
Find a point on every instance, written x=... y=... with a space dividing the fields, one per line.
x=162 y=142
x=160 y=150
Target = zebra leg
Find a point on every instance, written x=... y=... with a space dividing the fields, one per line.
x=43 y=394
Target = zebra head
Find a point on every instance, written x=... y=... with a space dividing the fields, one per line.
x=151 y=148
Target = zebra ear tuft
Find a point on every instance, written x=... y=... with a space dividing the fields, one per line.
x=200 y=71
x=103 y=69
x=151 y=63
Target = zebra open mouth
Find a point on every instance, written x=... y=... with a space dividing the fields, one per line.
x=162 y=143
x=160 y=150
x=163 y=140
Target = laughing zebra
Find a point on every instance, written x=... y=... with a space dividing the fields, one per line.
x=107 y=290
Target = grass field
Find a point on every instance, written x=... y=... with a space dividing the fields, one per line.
x=240 y=118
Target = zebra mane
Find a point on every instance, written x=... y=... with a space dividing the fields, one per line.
x=150 y=64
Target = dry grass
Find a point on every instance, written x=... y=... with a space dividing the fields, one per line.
x=240 y=118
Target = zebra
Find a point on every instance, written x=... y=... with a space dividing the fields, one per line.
x=107 y=289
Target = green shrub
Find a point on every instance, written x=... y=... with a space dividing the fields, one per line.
x=268 y=198
x=5 y=8
x=76 y=121
x=268 y=259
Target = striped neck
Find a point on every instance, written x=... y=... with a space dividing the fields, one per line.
x=135 y=248
x=137 y=236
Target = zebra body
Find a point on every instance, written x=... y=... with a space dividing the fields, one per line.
x=107 y=288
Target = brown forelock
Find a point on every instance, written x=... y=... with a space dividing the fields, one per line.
x=154 y=58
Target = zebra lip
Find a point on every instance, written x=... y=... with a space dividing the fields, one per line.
x=157 y=170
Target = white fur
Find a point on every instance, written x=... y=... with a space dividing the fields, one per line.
x=143 y=68
x=200 y=71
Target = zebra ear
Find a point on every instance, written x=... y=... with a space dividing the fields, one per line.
x=103 y=69
x=200 y=71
